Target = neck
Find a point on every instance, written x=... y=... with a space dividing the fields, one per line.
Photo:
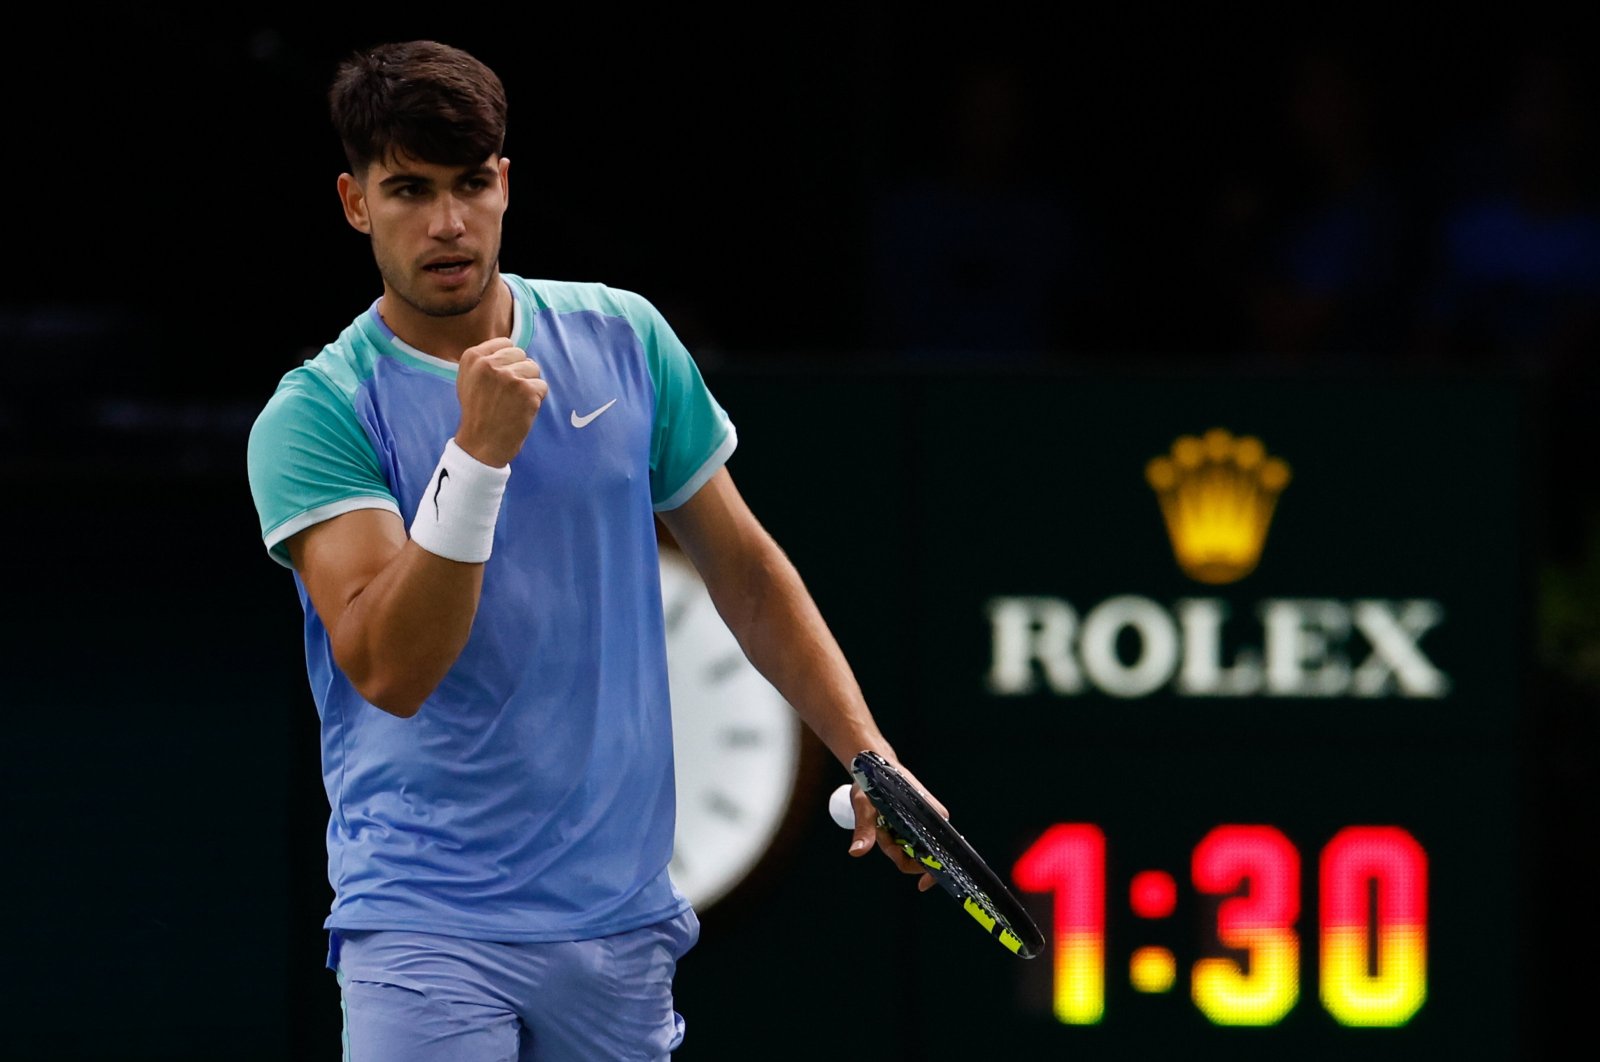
x=448 y=337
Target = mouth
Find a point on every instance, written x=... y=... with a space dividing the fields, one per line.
x=448 y=267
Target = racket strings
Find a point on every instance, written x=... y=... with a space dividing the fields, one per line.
x=952 y=866
x=905 y=813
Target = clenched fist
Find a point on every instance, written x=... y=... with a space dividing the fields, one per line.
x=500 y=391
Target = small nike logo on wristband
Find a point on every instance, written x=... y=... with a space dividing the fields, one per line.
x=583 y=422
x=443 y=473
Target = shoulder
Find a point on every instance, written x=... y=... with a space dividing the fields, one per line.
x=297 y=389
x=336 y=372
x=320 y=395
x=301 y=391
x=576 y=296
x=621 y=308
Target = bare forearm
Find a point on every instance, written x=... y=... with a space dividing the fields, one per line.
x=783 y=633
x=397 y=616
x=766 y=605
x=396 y=639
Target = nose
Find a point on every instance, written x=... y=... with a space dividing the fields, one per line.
x=449 y=219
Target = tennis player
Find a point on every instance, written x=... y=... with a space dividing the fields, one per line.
x=464 y=484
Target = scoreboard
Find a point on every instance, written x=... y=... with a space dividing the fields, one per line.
x=1224 y=672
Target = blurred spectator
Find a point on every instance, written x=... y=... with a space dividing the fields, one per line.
x=1310 y=234
x=1515 y=273
x=981 y=255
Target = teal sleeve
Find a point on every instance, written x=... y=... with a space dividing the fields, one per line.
x=309 y=459
x=692 y=435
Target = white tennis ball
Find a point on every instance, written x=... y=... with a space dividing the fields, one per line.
x=839 y=806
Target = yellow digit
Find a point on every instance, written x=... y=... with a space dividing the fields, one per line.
x=1260 y=922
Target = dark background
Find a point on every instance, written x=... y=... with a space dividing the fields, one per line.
x=811 y=191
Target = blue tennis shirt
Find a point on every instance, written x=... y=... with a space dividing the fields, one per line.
x=531 y=797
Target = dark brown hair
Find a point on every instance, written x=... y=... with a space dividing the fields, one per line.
x=427 y=100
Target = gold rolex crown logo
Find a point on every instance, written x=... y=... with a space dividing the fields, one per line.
x=1217 y=494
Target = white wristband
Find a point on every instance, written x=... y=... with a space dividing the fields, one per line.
x=456 y=514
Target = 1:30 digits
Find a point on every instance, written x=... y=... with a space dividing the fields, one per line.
x=1372 y=923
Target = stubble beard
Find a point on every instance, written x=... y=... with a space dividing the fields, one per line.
x=397 y=279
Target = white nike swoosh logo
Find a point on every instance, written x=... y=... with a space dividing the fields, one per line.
x=581 y=422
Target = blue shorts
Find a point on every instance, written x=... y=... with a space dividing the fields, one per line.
x=421 y=997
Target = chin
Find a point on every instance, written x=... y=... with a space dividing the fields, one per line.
x=452 y=307
x=451 y=303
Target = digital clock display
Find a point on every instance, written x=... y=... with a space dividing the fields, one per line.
x=1371 y=928
x=1206 y=901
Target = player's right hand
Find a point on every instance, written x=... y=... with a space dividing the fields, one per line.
x=500 y=391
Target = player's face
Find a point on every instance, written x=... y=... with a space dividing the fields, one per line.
x=435 y=229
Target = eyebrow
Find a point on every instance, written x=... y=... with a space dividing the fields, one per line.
x=394 y=179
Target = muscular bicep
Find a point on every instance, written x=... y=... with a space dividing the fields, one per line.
x=339 y=558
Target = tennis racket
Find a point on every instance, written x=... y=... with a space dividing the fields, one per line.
x=929 y=838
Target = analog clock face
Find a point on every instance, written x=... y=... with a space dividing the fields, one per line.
x=736 y=742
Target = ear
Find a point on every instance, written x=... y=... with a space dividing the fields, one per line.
x=354 y=200
x=505 y=181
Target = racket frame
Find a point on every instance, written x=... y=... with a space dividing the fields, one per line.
x=954 y=864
